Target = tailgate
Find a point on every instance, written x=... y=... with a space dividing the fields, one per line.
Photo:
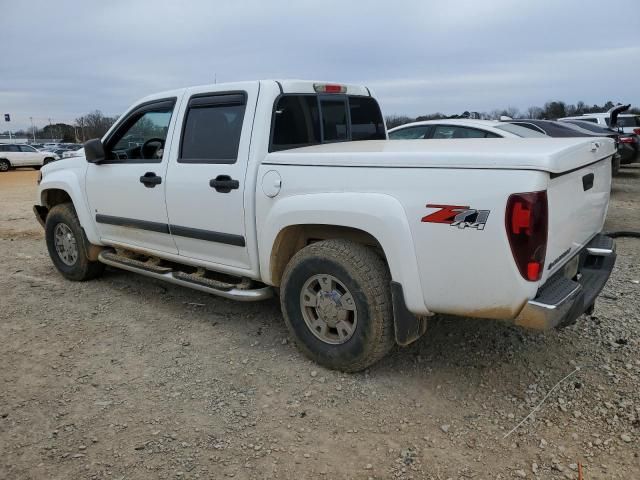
x=578 y=201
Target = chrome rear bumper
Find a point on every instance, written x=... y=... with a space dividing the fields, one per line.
x=560 y=301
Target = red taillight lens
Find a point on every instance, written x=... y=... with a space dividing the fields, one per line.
x=636 y=131
x=526 y=222
x=627 y=139
x=329 y=88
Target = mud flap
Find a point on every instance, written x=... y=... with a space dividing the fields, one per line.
x=408 y=326
x=41 y=214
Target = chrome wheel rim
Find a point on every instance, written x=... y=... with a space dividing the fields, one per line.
x=328 y=309
x=65 y=243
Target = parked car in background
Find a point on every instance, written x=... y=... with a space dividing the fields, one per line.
x=614 y=118
x=12 y=156
x=459 y=128
x=628 y=143
x=552 y=128
x=74 y=152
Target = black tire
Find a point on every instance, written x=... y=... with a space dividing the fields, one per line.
x=615 y=165
x=5 y=166
x=47 y=160
x=82 y=268
x=366 y=277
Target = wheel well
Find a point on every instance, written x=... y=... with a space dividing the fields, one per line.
x=54 y=196
x=294 y=238
x=6 y=160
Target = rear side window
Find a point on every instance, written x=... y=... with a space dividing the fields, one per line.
x=409 y=133
x=212 y=129
x=592 y=120
x=520 y=130
x=452 y=131
x=3 y=148
x=303 y=120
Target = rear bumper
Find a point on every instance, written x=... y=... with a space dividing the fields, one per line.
x=560 y=301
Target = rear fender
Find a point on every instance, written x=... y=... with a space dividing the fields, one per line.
x=379 y=215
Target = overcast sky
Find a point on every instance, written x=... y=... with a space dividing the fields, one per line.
x=61 y=59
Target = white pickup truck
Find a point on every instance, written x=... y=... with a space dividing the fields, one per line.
x=244 y=190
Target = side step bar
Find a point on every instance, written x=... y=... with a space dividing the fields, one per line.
x=172 y=276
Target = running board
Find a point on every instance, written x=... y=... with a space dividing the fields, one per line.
x=172 y=276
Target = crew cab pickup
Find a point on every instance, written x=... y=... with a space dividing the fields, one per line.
x=248 y=190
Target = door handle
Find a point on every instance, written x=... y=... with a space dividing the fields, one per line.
x=224 y=183
x=150 y=179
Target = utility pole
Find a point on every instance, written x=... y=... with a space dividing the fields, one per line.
x=33 y=130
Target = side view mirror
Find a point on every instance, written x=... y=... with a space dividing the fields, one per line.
x=94 y=151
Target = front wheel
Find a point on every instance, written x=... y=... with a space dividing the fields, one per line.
x=66 y=245
x=4 y=165
x=336 y=301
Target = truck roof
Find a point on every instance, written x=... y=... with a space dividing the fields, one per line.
x=285 y=86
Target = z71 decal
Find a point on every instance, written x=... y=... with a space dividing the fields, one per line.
x=458 y=216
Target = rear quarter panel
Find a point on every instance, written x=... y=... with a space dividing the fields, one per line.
x=443 y=268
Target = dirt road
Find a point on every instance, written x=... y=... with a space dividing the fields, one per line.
x=128 y=378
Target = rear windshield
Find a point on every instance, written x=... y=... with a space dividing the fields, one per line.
x=628 y=121
x=520 y=131
x=589 y=126
x=303 y=120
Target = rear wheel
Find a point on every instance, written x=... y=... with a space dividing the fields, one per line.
x=47 y=160
x=4 y=165
x=336 y=301
x=66 y=245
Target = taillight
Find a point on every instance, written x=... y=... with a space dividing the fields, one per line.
x=329 y=88
x=628 y=140
x=526 y=222
x=636 y=131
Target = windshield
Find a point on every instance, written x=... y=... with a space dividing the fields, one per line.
x=520 y=131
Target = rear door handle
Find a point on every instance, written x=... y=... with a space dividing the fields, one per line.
x=224 y=183
x=150 y=179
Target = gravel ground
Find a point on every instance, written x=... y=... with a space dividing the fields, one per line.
x=128 y=378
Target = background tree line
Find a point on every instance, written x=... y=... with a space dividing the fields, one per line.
x=551 y=111
x=92 y=125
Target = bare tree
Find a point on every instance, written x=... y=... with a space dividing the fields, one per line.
x=535 y=113
x=512 y=112
x=94 y=125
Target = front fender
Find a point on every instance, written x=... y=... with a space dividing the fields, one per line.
x=70 y=181
x=381 y=216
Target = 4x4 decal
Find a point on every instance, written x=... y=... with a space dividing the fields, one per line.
x=460 y=216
